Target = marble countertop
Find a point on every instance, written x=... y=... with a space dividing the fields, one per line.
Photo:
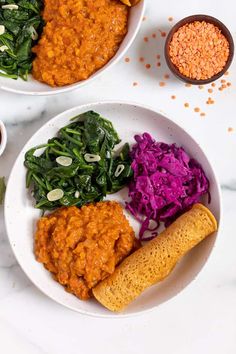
x=201 y=319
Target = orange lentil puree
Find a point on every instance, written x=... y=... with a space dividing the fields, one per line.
x=79 y=38
x=81 y=247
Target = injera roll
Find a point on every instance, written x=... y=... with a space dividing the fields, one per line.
x=154 y=261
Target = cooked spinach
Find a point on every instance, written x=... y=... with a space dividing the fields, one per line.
x=93 y=169
x=22 y=27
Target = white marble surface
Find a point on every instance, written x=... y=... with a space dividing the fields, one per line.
x=202 y=319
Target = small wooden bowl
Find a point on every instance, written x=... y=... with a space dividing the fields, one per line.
x=190 y=19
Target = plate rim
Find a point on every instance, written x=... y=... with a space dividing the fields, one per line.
x=90 y=106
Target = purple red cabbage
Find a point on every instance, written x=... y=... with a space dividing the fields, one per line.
x=166 y=183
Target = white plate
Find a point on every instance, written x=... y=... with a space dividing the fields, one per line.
x=36 y=88
x=20 y=216
x=3 y=138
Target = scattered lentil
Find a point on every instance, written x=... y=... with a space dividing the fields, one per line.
x=135 y=84
x=210 y=90
x=141 y=59
x=201 y=87
x=163 y=34
x=188 y=85
x=170 y=19
x=194 y=45
x=222 y=81
x=158 y=64
x=228 y=83
x=127 y=59
x=213 y=84
x=162 y=83
x=210 y=101
x=186 y=105
x=145 y=39
x=173 y=97
x=144 y=18
x=230 y=129
x=196 y=109
x=148 y=66
x=166 y=76
x=202 y=114
x=154 y=35
x=158 y=56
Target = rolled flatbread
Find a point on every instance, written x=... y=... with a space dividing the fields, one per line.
x=154 y=261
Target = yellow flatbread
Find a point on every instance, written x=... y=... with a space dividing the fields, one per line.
x=154 y=261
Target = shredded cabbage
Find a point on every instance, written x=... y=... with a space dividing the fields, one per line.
x=166 y=183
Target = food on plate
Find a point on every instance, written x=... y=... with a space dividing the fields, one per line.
x=199 y=50
x=81 y=247
x=88 y=244
x=20 y=27
x=79 y=38
x=79 y=165
x=153 y=262
x=60 y=41
x=166 y=183
x=130 y=2
x=2 y=189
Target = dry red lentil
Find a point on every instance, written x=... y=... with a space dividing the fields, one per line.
x=210 y=90
x=158 y=56
x=170 y=19
x=148 y=66
x=213 y=84
x=202 y=114
x=141 y=59
x=166 y=76
x=228 y=83
x=222 y=81
x=230 y=129
x=196 y=109
x=163 y=34
x=154 y=35
x=186 y=105
x=135 y=84
x=201 y=87
x=199 y=50
x=144 y=18
x=173 y=97
x=226 y=73
x=158 y=64
x=127 y=60
x=210 y=101
x=162 y=83
x=188 y=85
x=145 y=39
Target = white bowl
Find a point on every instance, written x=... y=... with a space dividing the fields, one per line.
x=36 y=88
x=128 y=119
x=3 y=139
